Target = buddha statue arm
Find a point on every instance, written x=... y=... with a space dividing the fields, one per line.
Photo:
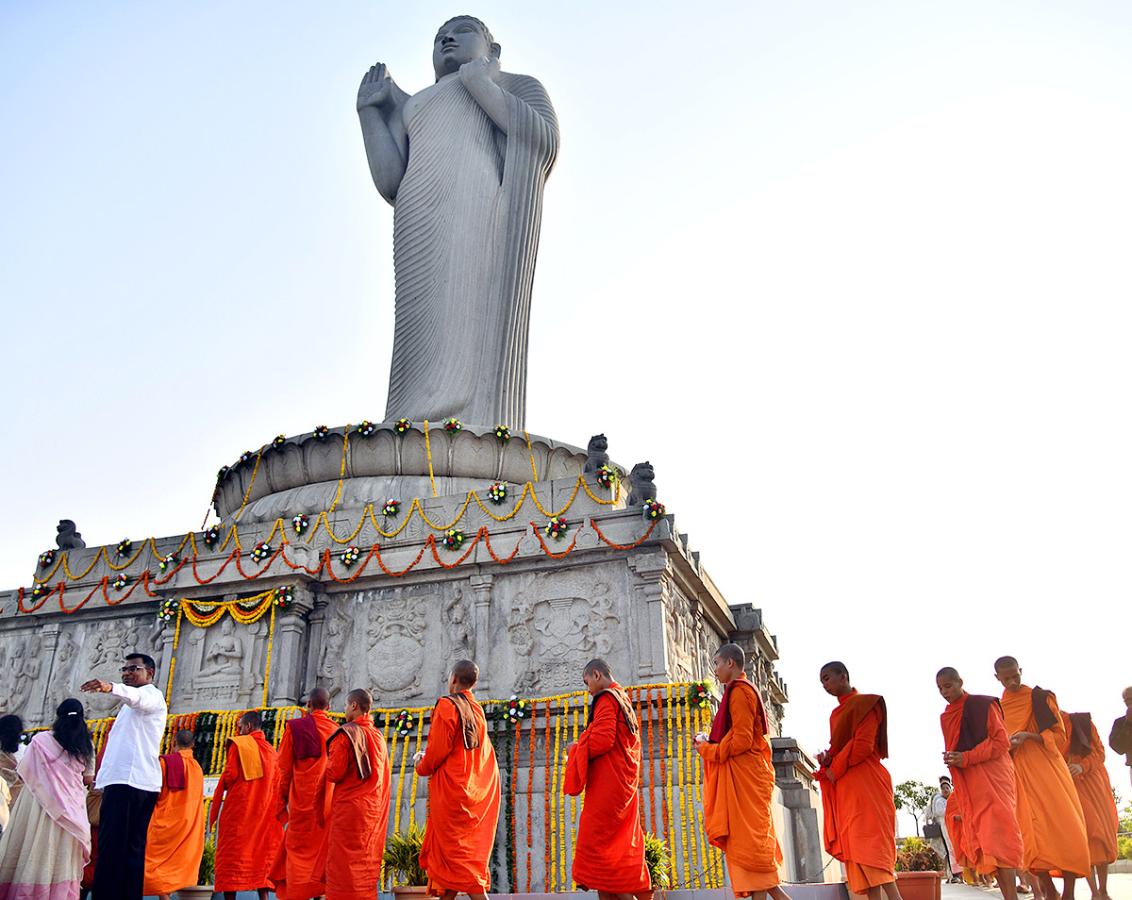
x=380 y=104
x=479 y=78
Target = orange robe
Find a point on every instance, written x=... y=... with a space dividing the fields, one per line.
x=299 y=868
x=953 y=818
x=1049 y=813
x=1094 y=791
x=249 y=836
x=738 y=789
x=463 y=798
x=858 y=806
x=175 y=840
x=609 y=853
x=985 y=784
x=359 y=812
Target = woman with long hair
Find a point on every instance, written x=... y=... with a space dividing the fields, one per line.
x=47 y=841
x=11 y=729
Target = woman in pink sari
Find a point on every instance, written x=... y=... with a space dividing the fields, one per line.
x=47 y=841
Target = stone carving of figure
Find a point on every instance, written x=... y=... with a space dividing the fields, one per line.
x=459 y=628
x=226 y=655
x=463 y=162
x=66 y=655
x=21 y=687
x=330 y=657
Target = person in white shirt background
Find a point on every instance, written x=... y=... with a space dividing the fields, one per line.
x=129 y=778
x=938 y=837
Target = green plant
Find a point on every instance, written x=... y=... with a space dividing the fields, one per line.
x=207 y=862
x=658 y=858
x=403 y=856
x=916 y=855
x=1124 y=844
x=913 y=797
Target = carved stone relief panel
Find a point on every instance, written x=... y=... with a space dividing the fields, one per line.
x=682 y=650
x=20 y=669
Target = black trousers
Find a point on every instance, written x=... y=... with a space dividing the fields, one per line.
x=122 y=825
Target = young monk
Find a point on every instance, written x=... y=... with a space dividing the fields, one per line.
x=249 y=835
x=977 y=751
x=1049 y=813
x=175 y=840
x=299 y=869
x=463 y=792
x=609 y=854
x=358 y=767
x=1085 y=756
x=856 y=789
x=739 y=782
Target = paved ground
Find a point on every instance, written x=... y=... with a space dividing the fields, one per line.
x=1119 y=888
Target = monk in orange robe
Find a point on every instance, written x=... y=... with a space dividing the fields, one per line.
x=856 y=789
x=249 y=836
x=1049 y=812
x=358 y=768
x=977 y=750
x=463 y=791
x=299 y=869
x=739 y=781
x=175 y=840
x=605 y=762
x=1085 y=756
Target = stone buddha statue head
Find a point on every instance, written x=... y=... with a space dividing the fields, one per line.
x=458 y=41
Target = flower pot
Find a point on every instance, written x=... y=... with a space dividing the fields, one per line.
x=411 y=892
x=918 y=885
x=198 y=892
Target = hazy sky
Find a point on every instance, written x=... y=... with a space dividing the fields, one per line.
x=854 y=277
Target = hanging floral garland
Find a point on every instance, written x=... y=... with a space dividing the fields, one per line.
x=391 y=508
x=46 y=558
x=453 y=539
x=212 y=537
x=261 y=551
x=497 y=493
x=350 y=556
x=124 y=547
x=556 y=527
x=365 y=428
x=503 y=433
x=405 y=722
x=320 y=432
x=402 y=425
x=300 y=523
x=653 y=509
x=170 y=559
x=453 y=425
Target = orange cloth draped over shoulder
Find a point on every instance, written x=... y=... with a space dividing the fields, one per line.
x=299 y=866
x=175 y=840
x=1049 y=812
x=984 y=784
x=856 y=789
x=953 y=818
x=249 y=836
x=738 y=790
x=1094 y=789
x=463 y=797
x=609 y=853
x=358 y=767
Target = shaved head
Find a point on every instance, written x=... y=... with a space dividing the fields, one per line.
x=362 y=698
x=1005 y=662
x=597 y=667
x=252 y=720
x=466 y=673
x=185 y=739
x=836 y=667
x=948 y=672
x=732 y=652
x=319 y=698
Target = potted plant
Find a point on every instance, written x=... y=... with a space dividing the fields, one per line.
x=203 y=889
x=918 y=869
x=403 y=858
x=659 y=861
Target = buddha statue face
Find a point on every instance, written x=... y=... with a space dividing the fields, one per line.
x=459 y=41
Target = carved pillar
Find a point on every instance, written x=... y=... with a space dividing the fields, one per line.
x=284 y=687
x=482 y=597
x=803 y=844
x=647 y=607
x=316 y=625
x=48 y=643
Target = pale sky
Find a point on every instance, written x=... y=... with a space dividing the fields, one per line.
x=854 y=277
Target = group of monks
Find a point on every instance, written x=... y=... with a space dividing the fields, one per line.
x=1031 y=794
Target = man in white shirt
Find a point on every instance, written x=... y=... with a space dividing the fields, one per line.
x=129 y=778
x=939 y=837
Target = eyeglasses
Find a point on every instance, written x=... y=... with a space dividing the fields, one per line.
x=127 y=669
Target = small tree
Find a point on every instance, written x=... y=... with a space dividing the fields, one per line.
x=914 y=797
